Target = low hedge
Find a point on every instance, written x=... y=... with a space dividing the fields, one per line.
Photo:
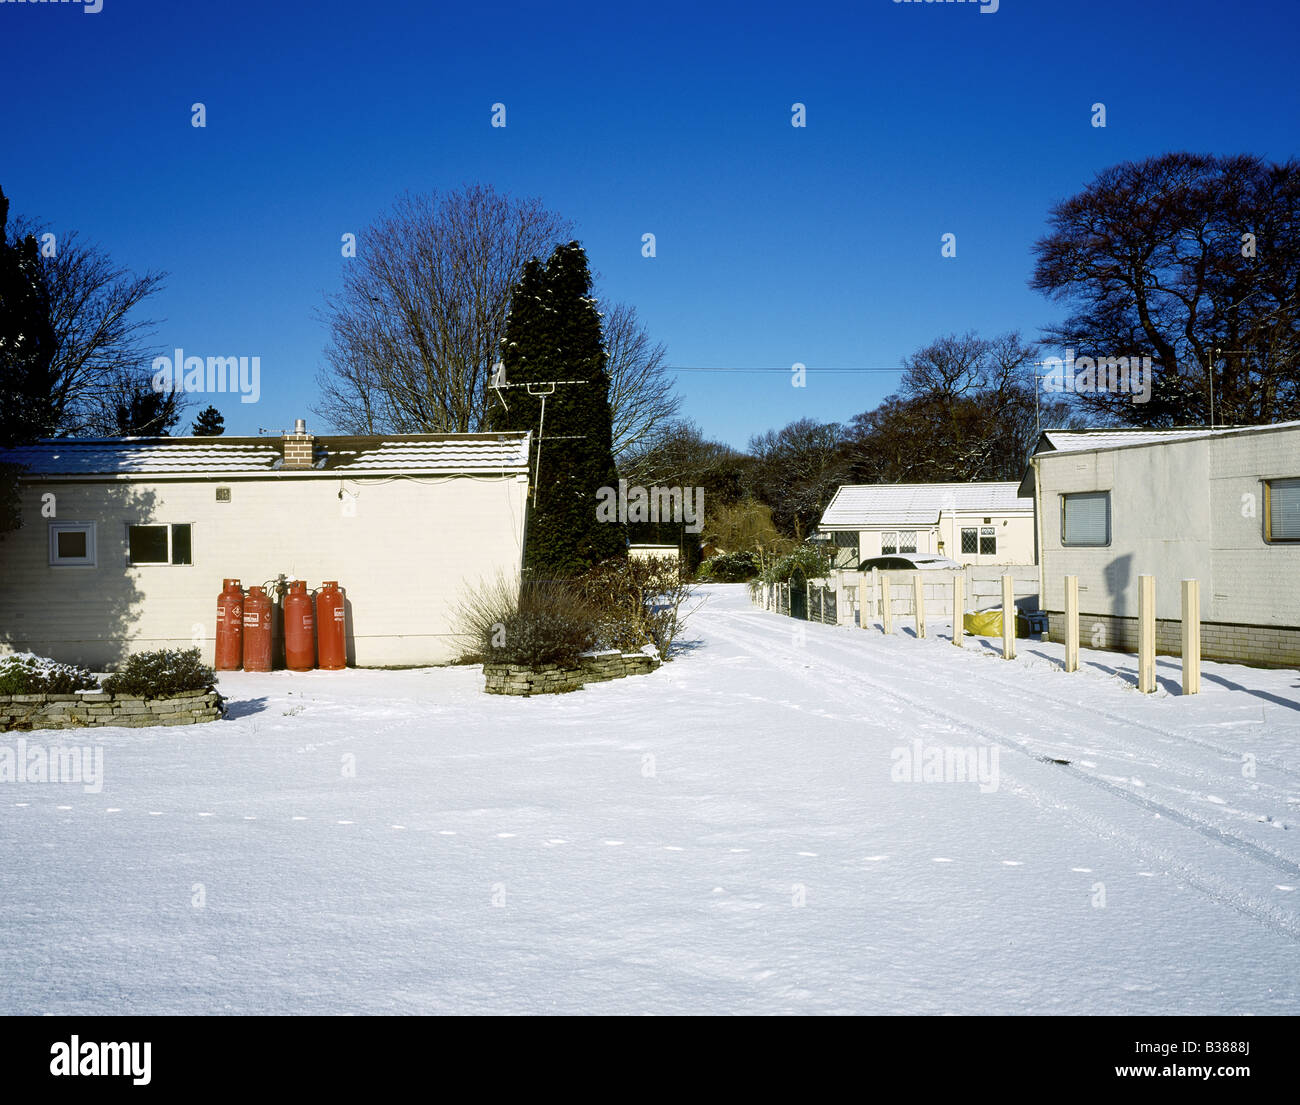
x=28 y=674
x=164 y=671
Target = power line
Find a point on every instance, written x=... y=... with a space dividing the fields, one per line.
x=787 y=371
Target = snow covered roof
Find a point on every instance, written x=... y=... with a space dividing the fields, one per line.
x=1073 y=441
x=919 y=504
x=406 y=454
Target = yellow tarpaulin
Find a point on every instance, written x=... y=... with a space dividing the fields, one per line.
x=988 y=623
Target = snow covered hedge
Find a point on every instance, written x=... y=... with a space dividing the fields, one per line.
x=27 y=673
x=163 y=672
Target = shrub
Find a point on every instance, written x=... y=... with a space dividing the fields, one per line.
x=736 y=567
x=28 y=674
x=162 y=672
x=540 y=622
x=638 y=602
x=805 y=562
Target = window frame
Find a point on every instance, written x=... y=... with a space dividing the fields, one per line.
x=170 y=528
x=90 y=560
x=1269 y=539
x=889 y=547
x=903 y=533
x=991 y=534
x=975 y=531
x=1066 y=496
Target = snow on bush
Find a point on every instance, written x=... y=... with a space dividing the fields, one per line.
x=161 y=672
x=27 y=673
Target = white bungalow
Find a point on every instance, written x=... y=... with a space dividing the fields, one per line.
x=125 y=542
x=971 y=523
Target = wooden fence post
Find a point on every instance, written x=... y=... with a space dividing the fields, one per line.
x=958 y=608
x=1071 y=623
x=1146 y=634
x=918 y=600
x=864 y=582
x=1008 y=617
x=886 y=604
x=1191 y=636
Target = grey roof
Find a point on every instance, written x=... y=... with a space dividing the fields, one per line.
x=919 y=504
x=1073 y=441
x=413 y=454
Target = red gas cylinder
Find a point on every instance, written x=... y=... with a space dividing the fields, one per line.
x=230 y=626
x=330 y=630
x=299 y=626
x=257 y=630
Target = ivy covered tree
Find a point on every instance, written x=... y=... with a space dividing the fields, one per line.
x=27 y=407
x=553 y=335
x=210 y=423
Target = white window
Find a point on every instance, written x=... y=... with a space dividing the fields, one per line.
x=888 y=544
x=907 y=541
x=988 y=541
x=1085 y=518
x=72 y=544
x=159 y=544
x=1282 y=509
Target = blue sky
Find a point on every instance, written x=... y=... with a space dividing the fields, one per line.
x=774 y=244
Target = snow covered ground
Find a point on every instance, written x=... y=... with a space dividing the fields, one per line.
x=726 y=835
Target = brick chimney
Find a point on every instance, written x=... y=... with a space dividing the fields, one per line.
x=298 y=446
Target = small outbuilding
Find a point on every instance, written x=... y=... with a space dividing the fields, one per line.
x=125 y=542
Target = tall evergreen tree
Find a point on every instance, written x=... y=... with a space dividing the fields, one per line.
x=27 y=345
x=210 y=423
x=553 y=333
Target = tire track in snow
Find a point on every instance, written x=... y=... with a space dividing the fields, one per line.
x=1172 y=734
x=1255 y=908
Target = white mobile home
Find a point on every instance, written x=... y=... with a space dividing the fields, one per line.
x=125 y=542
x=1221 y=506
x=971 y=523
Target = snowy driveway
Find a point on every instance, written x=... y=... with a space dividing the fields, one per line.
x=725 y=835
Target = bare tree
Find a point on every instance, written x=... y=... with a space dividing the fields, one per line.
x=641 y=396
x=414 y=333
x=102 y=348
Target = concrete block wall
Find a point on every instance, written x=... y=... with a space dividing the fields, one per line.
x=1261 y=646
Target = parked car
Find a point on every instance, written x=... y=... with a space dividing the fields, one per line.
x=909 y=562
